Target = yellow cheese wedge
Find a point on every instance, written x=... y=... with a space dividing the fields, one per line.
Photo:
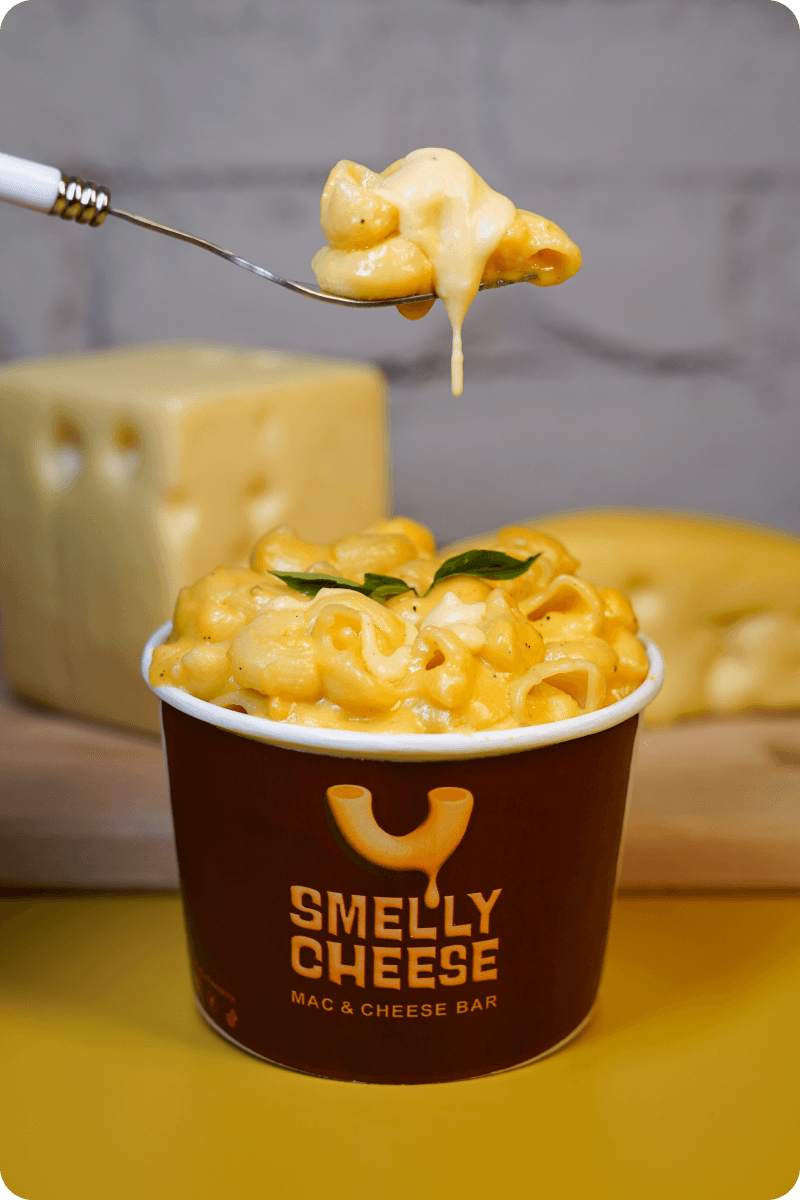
x=720 y=598
x=128 y=473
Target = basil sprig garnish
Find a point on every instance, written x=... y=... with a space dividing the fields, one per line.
x=384 y=586
x=483 y=564
x=378 y=587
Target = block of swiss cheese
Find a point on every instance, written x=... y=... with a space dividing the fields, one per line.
x=127 y=473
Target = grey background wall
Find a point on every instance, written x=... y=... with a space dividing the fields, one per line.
x=661 y=134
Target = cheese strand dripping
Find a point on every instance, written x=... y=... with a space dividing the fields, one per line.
x=455 y=219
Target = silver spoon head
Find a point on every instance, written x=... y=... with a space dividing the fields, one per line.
x=293 y=285
x=316 y=293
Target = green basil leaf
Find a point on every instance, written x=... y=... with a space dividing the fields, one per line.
x=377 y=587
x=384 y=586
x=309 y=584
x=484 y=564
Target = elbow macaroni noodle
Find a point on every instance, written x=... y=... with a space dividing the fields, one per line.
x=470 y=655
x=430 y=223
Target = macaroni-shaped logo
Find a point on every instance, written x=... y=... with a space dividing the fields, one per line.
x=425 y=849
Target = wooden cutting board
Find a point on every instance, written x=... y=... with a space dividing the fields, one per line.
x=715 y=804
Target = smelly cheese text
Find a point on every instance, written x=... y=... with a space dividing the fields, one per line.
x=341 y=937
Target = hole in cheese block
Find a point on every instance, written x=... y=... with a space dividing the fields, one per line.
x=176 y=496
x=120 y=462
x=126 y=437
x=256 y=487
x=61 y=459
x=66 y=432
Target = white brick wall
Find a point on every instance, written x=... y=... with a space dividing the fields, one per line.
x=660 y=133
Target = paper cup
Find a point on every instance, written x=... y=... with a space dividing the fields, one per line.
x=397 y=908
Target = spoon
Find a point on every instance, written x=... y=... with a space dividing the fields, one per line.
x=48 y=190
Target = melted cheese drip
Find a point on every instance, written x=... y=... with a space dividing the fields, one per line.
x=457 y=221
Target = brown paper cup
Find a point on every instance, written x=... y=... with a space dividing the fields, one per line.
x=397 y=908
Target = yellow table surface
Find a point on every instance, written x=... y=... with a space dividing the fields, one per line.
x=686 y=1084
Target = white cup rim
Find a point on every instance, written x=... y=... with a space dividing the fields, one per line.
x=408 y=747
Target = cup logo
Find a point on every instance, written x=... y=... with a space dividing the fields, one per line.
x=425 y=849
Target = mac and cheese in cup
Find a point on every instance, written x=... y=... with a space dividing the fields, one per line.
x=405 y=894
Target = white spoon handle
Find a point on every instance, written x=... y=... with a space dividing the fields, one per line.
x=30 y=184
x=48 y=190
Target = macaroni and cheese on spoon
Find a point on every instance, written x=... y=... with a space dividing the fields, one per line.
x=429 y=226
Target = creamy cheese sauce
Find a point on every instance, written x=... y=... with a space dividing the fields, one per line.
x=456 y=219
